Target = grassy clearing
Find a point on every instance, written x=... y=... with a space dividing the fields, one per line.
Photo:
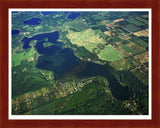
x=109 y=53
x=19 y=57
x=86 y=38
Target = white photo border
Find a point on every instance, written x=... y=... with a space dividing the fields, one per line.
x=79 y=117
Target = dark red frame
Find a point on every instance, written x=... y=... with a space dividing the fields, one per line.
x=6 y=4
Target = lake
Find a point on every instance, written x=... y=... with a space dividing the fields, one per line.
x=33 y=21
x=15 y=32
x=73 y=15
x=45 y=13
x=62 y=60
x=14 y=11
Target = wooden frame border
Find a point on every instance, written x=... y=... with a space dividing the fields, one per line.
x=6 y=4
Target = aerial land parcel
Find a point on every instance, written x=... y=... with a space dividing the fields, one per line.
x=110 y=53
x=18 y=57
x=142 y=33
x=90 y=40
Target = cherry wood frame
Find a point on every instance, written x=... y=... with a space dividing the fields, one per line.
x=6 y=4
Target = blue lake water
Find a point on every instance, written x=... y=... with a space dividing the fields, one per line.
x=62 y=60
x=33 y=21
x=66 y=12
x=52 y=37
x=15 y=32
x=14 y=11
x=73 y=15
x=45 y=13
x=26 y=41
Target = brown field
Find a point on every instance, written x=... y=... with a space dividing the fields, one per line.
x=125 y=37
x=142 y=33
x=107 y=33
x=105 y=21
x=130 y=44
x=110 y=24
x=142 y=57
x=118 y=43
x=121 y=19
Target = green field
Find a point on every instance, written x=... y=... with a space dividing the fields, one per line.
x=109 y=53
x=142 y=20
x=125 y=42
x=19 y=57
x=98 y=31
x=139 y=41
x=143 y=78
x=135 y=22
x=127 y=49
x=131 y=28
x=121 y=64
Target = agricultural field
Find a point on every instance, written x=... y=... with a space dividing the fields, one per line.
x=121 y=64
x=144 y=16
x=125 y=38
x=90 y=41
x=142 y=20
x=135 y=22
x=17 y=58
x=127 y=49
x=76 y=25
x=142 y=33
x=132 y=48
x=86 y=38
x=131 y=28
x=140 y=75
x=143 y=57
x=109 y=53
x=118 y=20
x=139 y=41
